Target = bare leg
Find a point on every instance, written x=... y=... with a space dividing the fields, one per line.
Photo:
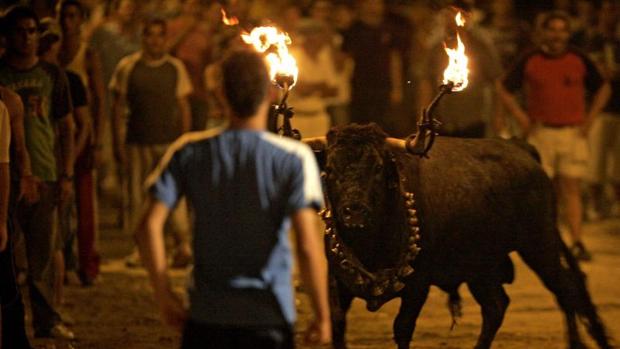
x=571 y=195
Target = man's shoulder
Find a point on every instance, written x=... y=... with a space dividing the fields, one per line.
x=285 y=144
x=129 y=60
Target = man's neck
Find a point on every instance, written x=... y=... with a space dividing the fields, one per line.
x=22 y=62
x=554 y=53
x=150 y=58
x=255 y=123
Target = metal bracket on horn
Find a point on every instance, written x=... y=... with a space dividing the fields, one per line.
x=417 y=143
x=282 y=109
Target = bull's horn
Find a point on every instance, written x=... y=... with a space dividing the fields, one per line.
x=316 y=143
x=395 y=143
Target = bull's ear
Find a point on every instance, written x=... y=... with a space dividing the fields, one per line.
x=319 y=147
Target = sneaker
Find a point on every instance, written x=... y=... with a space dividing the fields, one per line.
x=579 y=251
x=59 y=331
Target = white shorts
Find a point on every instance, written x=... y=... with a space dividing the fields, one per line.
x=563 y=150
x=604 y=141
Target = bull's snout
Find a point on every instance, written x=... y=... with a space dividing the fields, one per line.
x=354 y=215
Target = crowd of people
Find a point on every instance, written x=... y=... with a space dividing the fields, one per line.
x=93 y=93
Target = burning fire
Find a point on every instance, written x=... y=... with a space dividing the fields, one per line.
x=228 y=21
x=282 y=66
x=457 y=70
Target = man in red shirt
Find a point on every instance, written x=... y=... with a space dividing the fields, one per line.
x=556 y=80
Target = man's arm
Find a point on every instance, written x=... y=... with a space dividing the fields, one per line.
x=510 y=102
x=28 y=187
x=185 y=112
x=83 y=127
x=150 y=240
x=97 y=90
x=396 y=77
x=4 y=204
x=66 y=129
x=313 y=270
x=599 y=101
x=5 y=141
x=118 y=116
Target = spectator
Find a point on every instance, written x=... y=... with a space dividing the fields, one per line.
x=317 y=79
x=467 y=113
x=510 y=35
x=605 y=135
x=585 y=25
x=556 y=80
x=44 y=92
x=115 y=38
x=153 y=87
x=241 y=296
x=189 y=38
x=12 y=307
x=377 y=76
x=79 y=59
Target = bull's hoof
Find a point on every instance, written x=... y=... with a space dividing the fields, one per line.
x=402 y=345
x=339 y=345
x=577 y=345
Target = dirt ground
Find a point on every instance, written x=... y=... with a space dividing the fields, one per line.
x=119 y=312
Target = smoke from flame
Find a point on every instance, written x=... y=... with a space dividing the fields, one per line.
x=457 y=71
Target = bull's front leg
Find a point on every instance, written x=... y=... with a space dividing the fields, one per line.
x=340 y=301
x=413 y=298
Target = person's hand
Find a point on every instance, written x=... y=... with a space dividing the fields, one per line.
x=4 y=236
x=66 y=190
x=28 y=189
x=172 y=310
x=319 y=333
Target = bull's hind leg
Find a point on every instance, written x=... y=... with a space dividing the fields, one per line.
x=493 y=300
x=560 y=273
x=413 y=298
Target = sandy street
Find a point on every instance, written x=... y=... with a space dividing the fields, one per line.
x=119 y=312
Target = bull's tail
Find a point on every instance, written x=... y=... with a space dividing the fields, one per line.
x=584 y=307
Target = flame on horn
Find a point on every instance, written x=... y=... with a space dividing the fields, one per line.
x=274 y=43
x=457 y=70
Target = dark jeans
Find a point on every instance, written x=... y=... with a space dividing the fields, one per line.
x=202 y=336
x=38 y=224
x=13 y=331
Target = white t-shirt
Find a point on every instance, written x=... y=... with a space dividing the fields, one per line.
x=5 y=133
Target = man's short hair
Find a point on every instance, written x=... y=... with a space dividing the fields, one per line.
x=246 y=81
x=15 y=14
x=154 y=22
x=553 y=15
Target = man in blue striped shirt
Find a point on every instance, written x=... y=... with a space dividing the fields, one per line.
x=245 y=185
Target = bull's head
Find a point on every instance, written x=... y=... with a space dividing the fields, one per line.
x=360 y=174
x=372 y=231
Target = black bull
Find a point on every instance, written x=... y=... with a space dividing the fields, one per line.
x=397 y=224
